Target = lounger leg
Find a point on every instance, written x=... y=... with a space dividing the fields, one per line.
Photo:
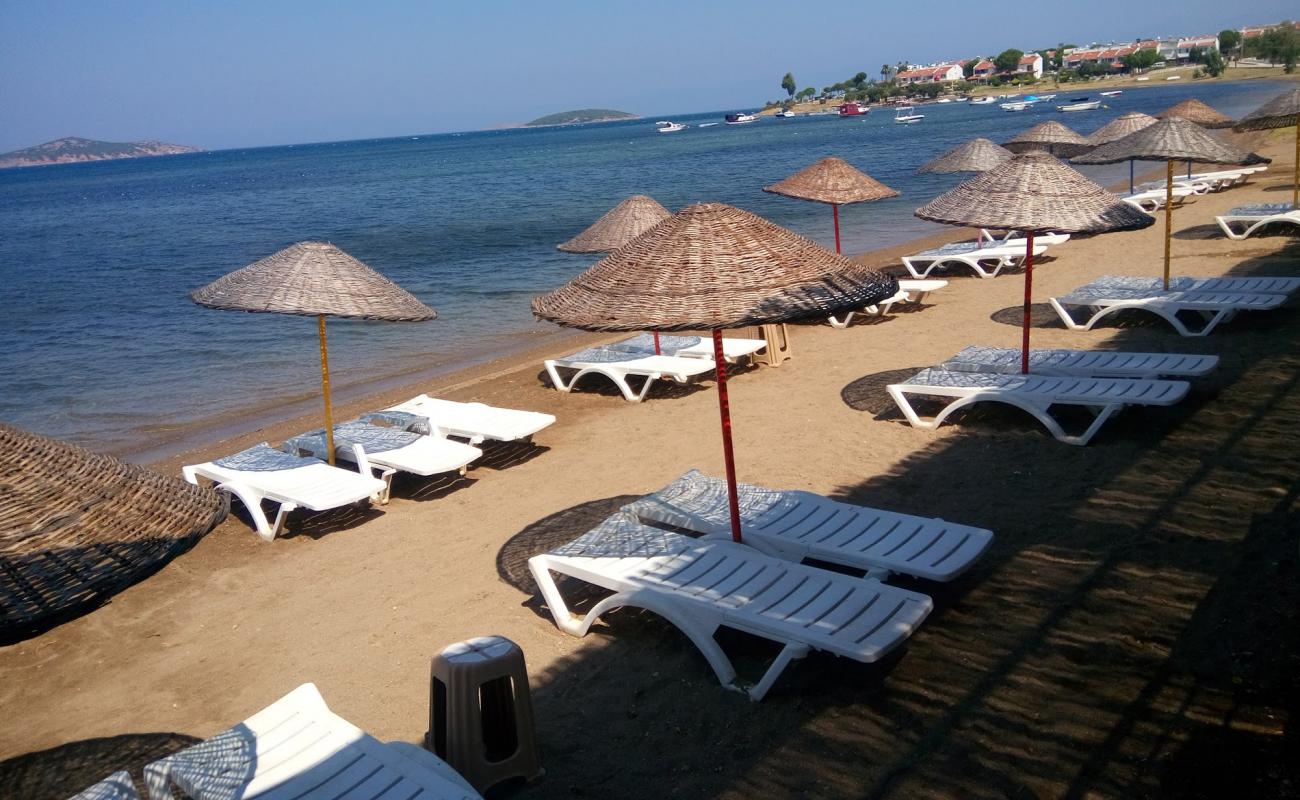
x=841 y=324
x=789 y=653
x=554 y=373
x=1065 y=316
x=919 y=275
x=253 y=502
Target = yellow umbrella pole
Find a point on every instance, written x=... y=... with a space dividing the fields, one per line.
x=1169 y=226
x=1295 y=182
x=325 y=388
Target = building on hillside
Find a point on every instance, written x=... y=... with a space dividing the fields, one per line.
x=940 y=73
x=984 y=69
x=1185 y=46
x=1030 y=64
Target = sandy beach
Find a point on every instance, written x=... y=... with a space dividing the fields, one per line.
x=1132 y=631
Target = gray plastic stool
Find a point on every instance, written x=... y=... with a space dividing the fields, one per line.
x=481 y=712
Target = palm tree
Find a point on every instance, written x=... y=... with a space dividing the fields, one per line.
x=884 y=71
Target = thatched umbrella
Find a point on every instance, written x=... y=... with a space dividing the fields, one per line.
x=834 y=181
x=77 y=526
x=618 y=226
x=1117 y=129
x=977 y=155
x=709 y=267
x=1282 y=111
x=319 y=280
x=1169 y=140
x=1033 y=193
x=1194 y=110
x=1051 y=136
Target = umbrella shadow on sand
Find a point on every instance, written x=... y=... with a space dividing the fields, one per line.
x=62 y=771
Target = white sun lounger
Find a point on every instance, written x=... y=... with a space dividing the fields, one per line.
x=797 y=525
x=296 y=749
x=117 y=786
x=1034 y=394
x=1225 y=284
x=1083 y=363
x=700 y=586
x=986 y=261
x=391 y=449
x=1212 y=308
x=1153 y=200
x=476 y=422
x=733 y=349
x=1018 y=238
x=618 y=367
x=1241 y=222
x=909 y=291
x=289 y=480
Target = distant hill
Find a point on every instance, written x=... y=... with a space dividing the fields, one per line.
x=62 y=151
x=580 y=116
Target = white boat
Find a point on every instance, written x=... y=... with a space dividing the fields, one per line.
x=906 y=115
x=739 y=119
x=1174 y=78
x=983 y=101
x=945 y=99
x=1015 y=106
x=785 y=113
x=1113 y=93
x=1082 y=104
x=669 y=127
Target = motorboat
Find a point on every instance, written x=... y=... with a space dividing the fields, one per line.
x=739 y=119
x=983 y=101
x=1112 y=93
x=852 y=109
x=785 y=113
x=669 y=127
x=1021 y=106
x=906 y=115
x=1080 y=104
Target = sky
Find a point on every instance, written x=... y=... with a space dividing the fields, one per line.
x=244 y=73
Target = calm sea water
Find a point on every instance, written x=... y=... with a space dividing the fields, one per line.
x=100 y=345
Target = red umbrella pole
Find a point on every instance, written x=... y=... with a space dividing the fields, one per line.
x=657 y=350
x=1029 y=291
x=835 y=209
x=724 y=407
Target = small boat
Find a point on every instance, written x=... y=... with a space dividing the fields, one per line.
x=983 y=101
x=1112 y=94
x=1080 y=104
x=669 y=127
x=739 y=119
x=1015 y=106
x=785 y=113
x=945 y=99
x=1143 y=78
x=852 y=110
x=906 y=115
x=1174 y=78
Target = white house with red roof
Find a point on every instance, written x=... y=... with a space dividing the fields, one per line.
x=1030 y=64
x=940 y=73
x=984 y=69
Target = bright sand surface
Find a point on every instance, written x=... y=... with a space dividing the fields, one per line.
x=1098 y=646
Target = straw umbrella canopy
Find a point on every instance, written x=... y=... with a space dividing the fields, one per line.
x=1051 y=136
x=1282 y=111
x=319 y=280
x=977 y=155
x=618 y=226
x=834 y=181
x=1117 y=129
x=1169 y=140
x=1194 y=110
x=1034 y=193
x=708 y=267
x=77 y=527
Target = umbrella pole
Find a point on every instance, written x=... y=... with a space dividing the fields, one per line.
x=1295 y=183
x=835 y=209
x=657 y=350
x=724 y=408
x=1169 y=215
x=1130 y=176
x=325 y=388
x=1189 y=170
x=1029 y=291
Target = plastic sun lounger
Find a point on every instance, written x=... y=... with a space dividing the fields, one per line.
x=1212 y=308
x=1034 y=394
x=796 y=525
x=700 y=586
x=1227 y=283
x=1018 y=238
x=297 y=748
x=733 y=349
x=389 y=449
x=117 y=786
x=302 y=482
x=618 y=367
x=1082 y=363
x=1251 y=218
x=909 y=291
x=970 y=255
x=476 y=422
x=1153 y=200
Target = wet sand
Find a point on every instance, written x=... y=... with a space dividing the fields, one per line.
x=1132 y=631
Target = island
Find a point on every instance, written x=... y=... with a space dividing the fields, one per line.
x=73 y=148
x=580 y=117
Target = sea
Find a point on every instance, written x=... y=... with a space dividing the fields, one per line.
x=101 y=346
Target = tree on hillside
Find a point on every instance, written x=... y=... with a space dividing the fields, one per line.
x=1229 y=41
x=788 y=84
x=886 y=72
x=1213 y=63
x=806 y=93
x=1280 y=45
x=1008 y=60
x=968 y=69
x=1141 y=60
x=860 y=79
x=900 y=67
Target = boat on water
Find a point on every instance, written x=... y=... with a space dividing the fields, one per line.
x=669 y=127
x=906 y=115
x=983 y=101
x=739 y=119
x=1021 y=106
x=852 y=110
x=1080 y=104
x=785 y=113
x=1112 y=93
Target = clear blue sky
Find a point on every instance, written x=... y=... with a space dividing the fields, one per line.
x=243 y=73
